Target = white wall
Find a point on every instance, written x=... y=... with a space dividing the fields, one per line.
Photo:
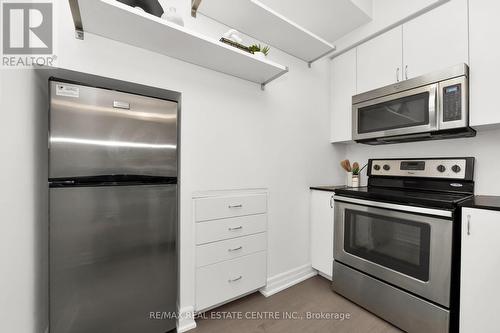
x=233 y=136
x=484 y=147
x=23 y=202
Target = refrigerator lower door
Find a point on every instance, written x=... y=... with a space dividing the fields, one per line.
x=113 y=259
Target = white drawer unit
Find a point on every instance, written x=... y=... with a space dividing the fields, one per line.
x=217 y=230
x=230 y=249
x=230 y=206
x=231 y=246
x=216 y=284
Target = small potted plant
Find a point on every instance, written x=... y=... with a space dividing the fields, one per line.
x=355 y=174
x=259 y=51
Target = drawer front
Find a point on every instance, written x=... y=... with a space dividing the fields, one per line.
x=212 y=253
x=217 y=230
x=221 y=282
x=224 y=207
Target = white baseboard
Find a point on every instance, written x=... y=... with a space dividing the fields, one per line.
x=186 y=319
x=285 y=280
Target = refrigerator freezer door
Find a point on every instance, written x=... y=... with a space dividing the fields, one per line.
x=113 y=258
x=104 y=132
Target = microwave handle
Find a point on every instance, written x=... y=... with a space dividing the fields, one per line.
x=434 y=106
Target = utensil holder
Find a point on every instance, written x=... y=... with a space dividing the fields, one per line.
x=355 y=181
x=349 y=179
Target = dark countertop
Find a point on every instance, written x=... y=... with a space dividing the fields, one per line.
x=483 y=202
x=328 y=188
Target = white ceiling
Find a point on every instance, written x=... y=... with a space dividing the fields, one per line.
x=329 y=19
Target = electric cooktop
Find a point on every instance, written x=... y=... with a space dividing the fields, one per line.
x=406 y=196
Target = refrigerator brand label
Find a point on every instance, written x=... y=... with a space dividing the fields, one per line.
x=67 y=91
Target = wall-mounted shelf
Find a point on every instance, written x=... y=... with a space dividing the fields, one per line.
x=262 y=23
x=155 y=34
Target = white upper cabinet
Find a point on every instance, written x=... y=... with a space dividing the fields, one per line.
x=436 y=40
x=322 y=231
x=380 y=61
x=343 y=87
x=484 y=61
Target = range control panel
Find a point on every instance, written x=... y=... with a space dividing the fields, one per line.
x=455 y=168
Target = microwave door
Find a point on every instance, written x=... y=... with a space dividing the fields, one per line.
x=408 y=112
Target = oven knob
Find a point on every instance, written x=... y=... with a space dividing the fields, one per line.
x=441 y=168
x=387 y=167
x=456 y=168
x=376 y=167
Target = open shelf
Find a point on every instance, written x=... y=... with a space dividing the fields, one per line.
x=149 y=32
x=262 y=23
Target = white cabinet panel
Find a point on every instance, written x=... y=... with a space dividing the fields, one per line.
x=380 y=61
x=322 y=231
x=484 y=61
x=212 y=253
x=343 y=87
x=231 y=246
x=217 y=230
x=436 y=40
x=224 y=281
x=480 y=271
x=231 y=206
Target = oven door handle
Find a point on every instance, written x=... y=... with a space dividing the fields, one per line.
x=410 y=209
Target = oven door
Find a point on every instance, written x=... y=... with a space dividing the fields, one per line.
x=408 y=112
x=397 y=245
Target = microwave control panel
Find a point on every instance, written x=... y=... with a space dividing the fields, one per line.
x=452 y=102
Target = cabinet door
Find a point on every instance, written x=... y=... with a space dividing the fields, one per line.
x=484 y=61
x=436 y=40
x=380 y=61
x=480 y=271
x=343 y=85
x=322 y=231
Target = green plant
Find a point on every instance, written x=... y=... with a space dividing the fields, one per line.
x=355 y=169
x=254 y=48
x=258 y=48
x=265 y=50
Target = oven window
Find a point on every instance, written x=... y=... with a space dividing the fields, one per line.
x=398 y=244
x=400 y=113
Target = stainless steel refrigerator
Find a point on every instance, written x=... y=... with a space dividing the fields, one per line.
x=113 y=211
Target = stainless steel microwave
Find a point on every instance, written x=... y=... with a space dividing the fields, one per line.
x=429 y=107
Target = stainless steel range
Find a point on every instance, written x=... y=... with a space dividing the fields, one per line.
x=397 y=241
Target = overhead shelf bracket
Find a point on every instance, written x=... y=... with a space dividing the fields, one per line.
x=77 y=19
x=263 y=85
x=194 y=7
